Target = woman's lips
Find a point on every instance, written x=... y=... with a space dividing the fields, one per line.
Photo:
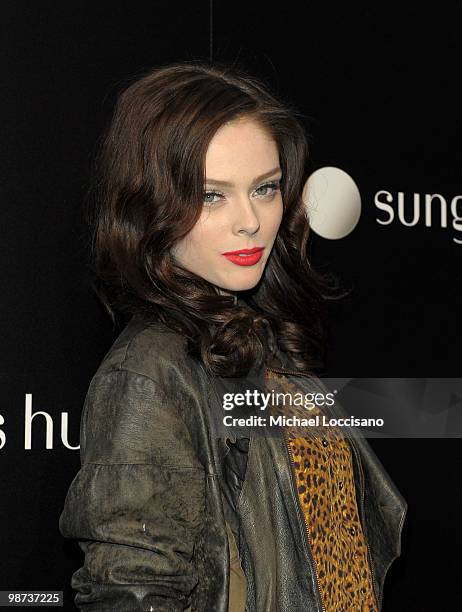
x=248 y=257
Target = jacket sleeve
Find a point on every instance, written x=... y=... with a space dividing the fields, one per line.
x=136 y=505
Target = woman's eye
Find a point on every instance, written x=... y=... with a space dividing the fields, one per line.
x=210 y=194
x=265 y=191
x=269 y=189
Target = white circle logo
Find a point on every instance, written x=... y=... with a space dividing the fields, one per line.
x=332 y=201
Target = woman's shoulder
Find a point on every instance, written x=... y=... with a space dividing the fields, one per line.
x=148 y=348
x=136 y=401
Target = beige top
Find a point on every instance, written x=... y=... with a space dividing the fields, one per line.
x=323 y=471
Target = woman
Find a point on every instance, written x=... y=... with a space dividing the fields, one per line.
x=200 y=236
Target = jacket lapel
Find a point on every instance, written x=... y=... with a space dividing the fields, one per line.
x=382 y=507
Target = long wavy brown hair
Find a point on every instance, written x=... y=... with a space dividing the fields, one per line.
x=147 y=193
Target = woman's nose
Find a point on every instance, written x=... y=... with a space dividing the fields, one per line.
x=246 y=217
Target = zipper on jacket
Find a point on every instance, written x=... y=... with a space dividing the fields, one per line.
x=361 y=478
x=361 y=510
x=307 y=531
x=305 y=523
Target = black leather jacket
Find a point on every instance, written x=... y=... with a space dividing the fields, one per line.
x=156 y=487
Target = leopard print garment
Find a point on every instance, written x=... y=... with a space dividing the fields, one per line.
x=324 y=475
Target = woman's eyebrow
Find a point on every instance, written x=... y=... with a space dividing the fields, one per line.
x=256 y=180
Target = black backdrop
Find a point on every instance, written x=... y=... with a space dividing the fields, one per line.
x=379 y=85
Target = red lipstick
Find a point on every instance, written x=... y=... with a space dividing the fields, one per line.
x=245 y=257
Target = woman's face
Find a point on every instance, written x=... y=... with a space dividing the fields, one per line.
x=242 y=208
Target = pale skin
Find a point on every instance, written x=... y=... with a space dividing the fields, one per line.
x=244 y=213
